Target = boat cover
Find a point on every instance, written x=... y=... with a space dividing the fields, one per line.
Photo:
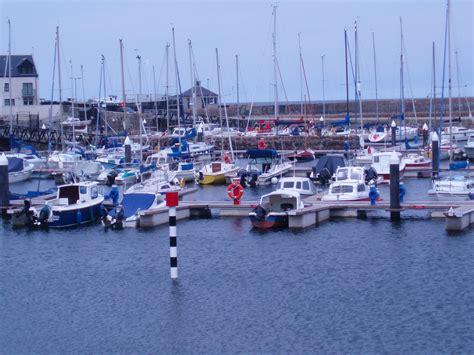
x=132 y=202
x=262 y=153
x=15 y=164
x=330 y=162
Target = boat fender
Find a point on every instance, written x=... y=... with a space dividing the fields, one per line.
x=262 y=144
x=373 y=195
x=78 y=217
x=402 y=192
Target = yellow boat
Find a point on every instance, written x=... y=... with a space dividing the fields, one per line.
x=214 y=173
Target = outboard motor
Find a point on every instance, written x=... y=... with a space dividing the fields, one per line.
x=117 y=221
x=370 y=175
x=111 y=177
x=243 y=179
x=43 y=216
x=260 y=212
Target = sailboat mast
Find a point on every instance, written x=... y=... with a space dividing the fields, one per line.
x=124 y=97
x=237 y=86
x=276 y=108
x=301 y=74
x=59 y=73
x=167 y=87
x=324 y=91
x=193 y=83
x=402 y=87
x=434 y=86
x=450 y=107
x=219 y=99
x=347 y=74
x=83 y=92
x=105 y=95
x=358 y=83
x=176 y=79
x=459 y=85
x=375 y=74
x=10 y=79
x=154 y=99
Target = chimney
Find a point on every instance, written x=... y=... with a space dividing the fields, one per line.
x=198 y=83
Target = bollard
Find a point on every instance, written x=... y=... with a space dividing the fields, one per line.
x=434 y=155
x=394 y=187
x=4 y=182
x=128 y=151
x=425 y=135
x=172 y=202
x=393 y=127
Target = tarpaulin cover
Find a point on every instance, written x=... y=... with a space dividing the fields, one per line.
x=15 y=164
x=330 y=162
x=132 y=202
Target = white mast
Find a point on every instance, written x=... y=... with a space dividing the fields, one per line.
x=324 y=94
x=375 y=73
x=275 y=64
x=10 y=79
x=176 y=79
x=301 y=73
x=220 y=101
x=124 y=97
x=193 y=83
x=154 y=99
x=402 y=85
x=225 y=107
x=83 y=92
x=105 y=95
x=237 y=85
x=167 y=88
x=459 y=85
x=358 y=83
x=59 y=74
x=450 y=86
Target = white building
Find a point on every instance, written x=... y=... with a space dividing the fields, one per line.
x=24 y=82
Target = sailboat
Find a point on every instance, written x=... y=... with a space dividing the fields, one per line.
x=215 y=172
x=451 y=186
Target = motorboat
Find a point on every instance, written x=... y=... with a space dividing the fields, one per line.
x=29 y=154
x=303 y=185
x=147 y=195
x=76 y=124
x=469 y=147
x=302 y=155
x=325 y=168
x=75 y=204
x=452 y=187
x=273 y=209
x=363 y=157
x=19 y=169
x=351 y=184
x=415 y=161
x=381 y=164
x=215 y=173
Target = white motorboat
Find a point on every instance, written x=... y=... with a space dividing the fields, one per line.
x=19 y=169
x=415 y=161
x=381 y=164
x=215 y=173
x=302 y=185
x=35 y=160
x=453 y=186
x=273 y=209
x=469 y=147
x=349 y=185
x=276 y=170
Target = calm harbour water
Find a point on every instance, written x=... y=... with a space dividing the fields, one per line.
x=348 y=285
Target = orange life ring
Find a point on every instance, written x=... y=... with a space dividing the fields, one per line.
x=235 y=191
x=262 y=144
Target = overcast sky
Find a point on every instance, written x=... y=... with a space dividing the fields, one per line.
x=89 y=29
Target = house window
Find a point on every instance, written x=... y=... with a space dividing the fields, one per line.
x=7 y=102
x=6 y=87
x=212 y=100
x=27 y=89
x=27 y=102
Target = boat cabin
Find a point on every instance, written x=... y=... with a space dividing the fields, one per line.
x=303 y=185
x=76 y=193
x=281 y=201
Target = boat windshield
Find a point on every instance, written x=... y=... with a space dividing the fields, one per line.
x=342 y=189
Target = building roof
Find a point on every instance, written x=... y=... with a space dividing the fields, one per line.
x=19 y=62
x=199 y=89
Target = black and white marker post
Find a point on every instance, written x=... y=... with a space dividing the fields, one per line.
x=172 y=203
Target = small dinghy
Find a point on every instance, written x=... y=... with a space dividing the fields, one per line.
x=272 y=211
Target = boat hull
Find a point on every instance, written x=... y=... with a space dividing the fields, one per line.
x=269 y=221
x=72 y=217
x=212 y=179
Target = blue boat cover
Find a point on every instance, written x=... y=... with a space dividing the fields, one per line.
x=458 y=165
x=15 y=164
x=262 y=153
x=132 y=202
